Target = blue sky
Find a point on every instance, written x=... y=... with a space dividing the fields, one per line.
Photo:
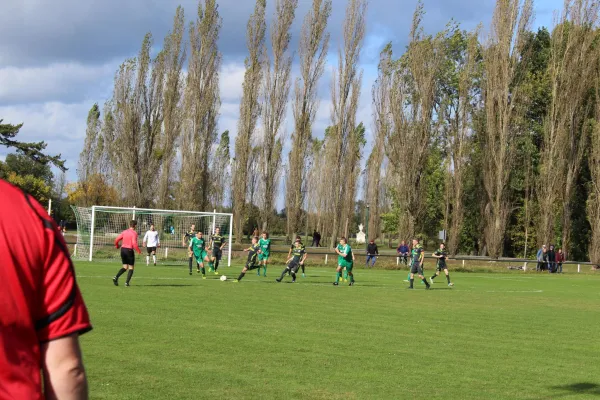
x=58 y=58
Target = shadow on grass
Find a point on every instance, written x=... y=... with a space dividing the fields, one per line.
x=167 y=285
x=583 y=388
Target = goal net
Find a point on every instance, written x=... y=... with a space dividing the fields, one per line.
x=99 y=226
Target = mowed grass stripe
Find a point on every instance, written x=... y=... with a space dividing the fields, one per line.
x=497 y=336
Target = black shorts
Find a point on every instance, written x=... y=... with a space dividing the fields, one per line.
x=151 y=250
x=441 y=266
x=416 y=268
x=217 y=253
x=127 y=256
x=293 y=266
x=252 y=265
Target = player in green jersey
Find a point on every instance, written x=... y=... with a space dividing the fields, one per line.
x=442 y=255
x=252 y=262
x=197 y=247
x=265 y=250
x=416 y=267
x=298 y=256
x=345 y=260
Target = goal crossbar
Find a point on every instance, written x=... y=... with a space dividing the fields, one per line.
x=225 y=220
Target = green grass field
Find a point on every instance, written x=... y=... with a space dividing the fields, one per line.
x=492 y=336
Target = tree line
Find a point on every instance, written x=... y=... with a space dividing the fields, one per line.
x=490 y=134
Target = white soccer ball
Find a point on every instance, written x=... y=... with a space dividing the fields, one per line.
x=223 y=278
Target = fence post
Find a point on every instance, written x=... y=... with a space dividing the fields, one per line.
x=75 y=250
x=166 y=252
x=578 y=268
x=463 y=263
x=326 y=258
x=525 y=266
x=397 y=260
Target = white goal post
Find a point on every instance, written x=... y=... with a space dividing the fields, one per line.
x=98 y=227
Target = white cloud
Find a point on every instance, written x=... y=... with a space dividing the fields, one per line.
x=67 y=82
x=60 y=125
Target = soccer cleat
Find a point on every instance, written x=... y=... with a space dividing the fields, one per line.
x=235 y=281
x=427 y=287
x=116 y=281
x=278 y=280
x=198 y=271
x=335 y=284
x=127 y=284
x=451 y=284
x=431 y=280
x=410 y=287
x=203 y=276
x=258 y=273
x=351 y=284
x=155 y=264
x=216 y=273
x=190 y=273
x=304 y=276
x=293 y=281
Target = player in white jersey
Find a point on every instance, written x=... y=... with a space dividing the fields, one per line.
x=151 y=242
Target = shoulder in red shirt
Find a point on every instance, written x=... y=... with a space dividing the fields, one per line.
x=39 y=297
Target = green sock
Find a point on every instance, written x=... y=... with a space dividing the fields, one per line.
x=265 y=270
x=337 y=276
x=203 y=271
x=346 y=274
x=210 y=265
x=408 y=277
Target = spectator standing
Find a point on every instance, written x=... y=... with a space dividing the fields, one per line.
x=541 y=258
x=372 y=253
x=560 y=258
x=551 y=255
x=42 y=312
x=314 y=239
x=318 y=239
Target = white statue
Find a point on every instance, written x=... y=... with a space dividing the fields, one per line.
x=361 y=238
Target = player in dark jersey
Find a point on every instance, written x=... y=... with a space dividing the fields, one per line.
x=187 y=238
x=417 y=257
x=217 y=244
x=442 y=255
x=298 y=256
x=290 y=252
x=252 y=262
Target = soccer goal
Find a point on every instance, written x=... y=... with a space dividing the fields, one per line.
x=99 y=226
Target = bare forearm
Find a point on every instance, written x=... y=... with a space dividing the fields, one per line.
x=64 y=373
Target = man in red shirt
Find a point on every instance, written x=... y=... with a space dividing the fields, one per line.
x=42 y=312
x=129 y=237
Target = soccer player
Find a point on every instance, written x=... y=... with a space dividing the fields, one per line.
x=129 y=237
x=298 y=256
x=442 y=255
x=416 y=267
x=252 y=262
x=198 y=248
x=186 y=242
x=265 y=250
x=292 y=247
x=217 y=243
x=345 y=261
x=42 y=312
x=151 y=242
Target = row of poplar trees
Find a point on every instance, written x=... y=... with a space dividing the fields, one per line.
x=490 y=134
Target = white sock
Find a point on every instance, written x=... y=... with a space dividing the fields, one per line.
x=154 y=259
x=147 y=260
